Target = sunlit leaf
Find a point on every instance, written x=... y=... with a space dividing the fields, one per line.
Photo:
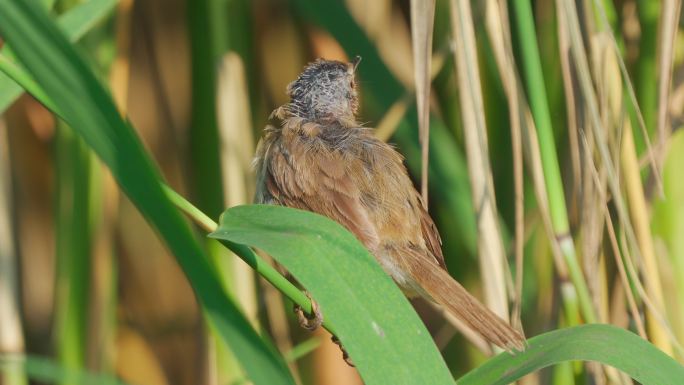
x=601 y=343
x=75 y=23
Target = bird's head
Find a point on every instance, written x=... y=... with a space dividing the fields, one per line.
x=325 y=91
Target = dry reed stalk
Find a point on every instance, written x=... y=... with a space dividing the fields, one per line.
x=236 y=149
x=641 y=220
x=422 y=20
x=499 y=34
x=599 y=132
x=624 y=279
x=490 y=246
x=574 y=109
x=605 y=27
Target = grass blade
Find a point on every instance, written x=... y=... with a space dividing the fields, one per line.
x=75 y=23
x=422 y=19
x=602 y=343
x=88 y=108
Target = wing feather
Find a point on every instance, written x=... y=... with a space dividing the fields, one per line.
x=322 y=185
x=432 y=239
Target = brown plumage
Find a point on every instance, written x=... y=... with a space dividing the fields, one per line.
x=320 y=159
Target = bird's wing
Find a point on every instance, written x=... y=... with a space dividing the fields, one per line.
x=319 y=180
x=432 y=239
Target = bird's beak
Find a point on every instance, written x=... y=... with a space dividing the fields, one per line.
x=355 y=63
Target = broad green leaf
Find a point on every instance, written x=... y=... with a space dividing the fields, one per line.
x=89 y=110
x=601 y=343
x=375 y=322
x=75 y=23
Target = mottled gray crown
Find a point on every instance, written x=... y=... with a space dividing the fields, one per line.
x=325 y=90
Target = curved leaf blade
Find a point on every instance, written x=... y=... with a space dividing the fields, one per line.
x=375 y=322
x=606 y=344
x=75 y=23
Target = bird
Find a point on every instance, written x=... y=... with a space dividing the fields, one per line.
x=317 y=157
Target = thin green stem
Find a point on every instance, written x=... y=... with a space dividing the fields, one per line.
x=303 y=348
x=73 y=244
x=536 y=92
x=191 y=211
x=245 y=253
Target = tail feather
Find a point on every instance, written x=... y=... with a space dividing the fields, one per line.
x=443 y=289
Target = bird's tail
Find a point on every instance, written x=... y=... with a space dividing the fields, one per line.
x=443 y=289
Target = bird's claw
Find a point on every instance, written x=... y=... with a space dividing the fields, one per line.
x=311 y=321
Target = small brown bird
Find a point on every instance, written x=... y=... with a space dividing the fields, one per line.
x=320 y=159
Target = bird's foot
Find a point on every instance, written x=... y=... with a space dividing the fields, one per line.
x=311 y=321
